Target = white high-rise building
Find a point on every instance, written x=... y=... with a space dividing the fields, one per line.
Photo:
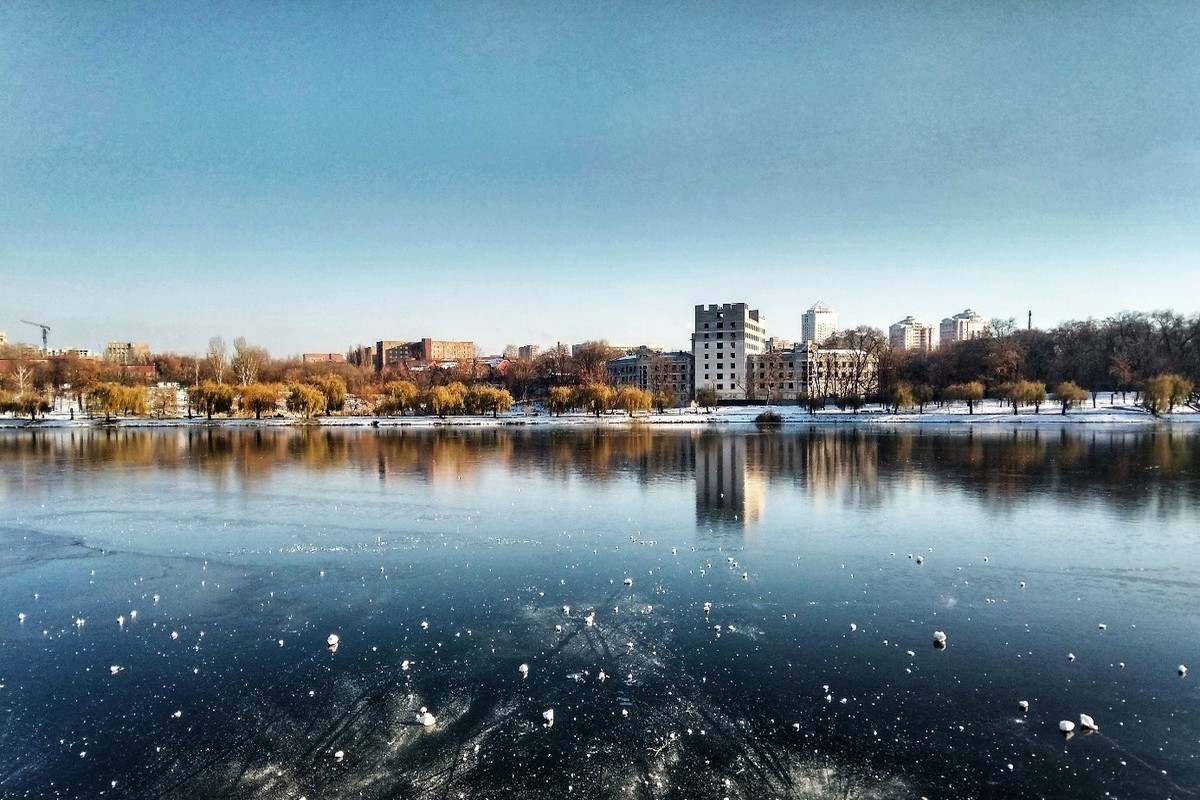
x=961 y=327
x=818 y=324
x=723 y=337
x=911 y=333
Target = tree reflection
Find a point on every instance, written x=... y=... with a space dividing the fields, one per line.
x=734 y=473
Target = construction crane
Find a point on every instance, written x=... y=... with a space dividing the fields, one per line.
x=45 y=333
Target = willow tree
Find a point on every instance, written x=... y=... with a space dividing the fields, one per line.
x=305 y=400
x=631 y=399
x=1068 y=394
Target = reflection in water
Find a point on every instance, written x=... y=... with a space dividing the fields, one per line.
x=734 y=473
x=729 y=491
x=444 y=559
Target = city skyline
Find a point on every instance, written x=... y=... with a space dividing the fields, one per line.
x=323 y=176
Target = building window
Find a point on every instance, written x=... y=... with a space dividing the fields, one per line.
x=706 y=345
x=720 y=386
x=720 y=324
x=720 y=376
x=706 y=376
x=706 y=326
x=720 y=345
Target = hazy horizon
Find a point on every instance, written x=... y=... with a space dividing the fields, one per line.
x=314 y=177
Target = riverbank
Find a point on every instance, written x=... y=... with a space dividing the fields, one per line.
x=986 y=413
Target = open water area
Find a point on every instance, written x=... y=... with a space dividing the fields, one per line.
x=709 y=614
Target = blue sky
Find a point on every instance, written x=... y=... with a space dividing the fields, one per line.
x=312 y=175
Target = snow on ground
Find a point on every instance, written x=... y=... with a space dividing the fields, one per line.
x=1109 y=410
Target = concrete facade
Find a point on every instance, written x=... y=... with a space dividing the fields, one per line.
x=651 y=371
x=818 y=324
x=961 y=327
x=811 y=371
x=912 y=333
x=390 y=352
x=528 y=352
x=329 y=358
x=724 y=336
x=127 y=352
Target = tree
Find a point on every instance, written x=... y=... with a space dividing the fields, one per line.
x=1163 y=392
x=862 y=363
x=398 y=397
x=333 y=389
x=441 y=400
x=560 y=399
x=898 y=396
x=247 y=360
x=631 y=399
x=1121 y=372
x=1004 y=363
x=260 y=397
x=596 y=397
x=31 y=404
x=482 y=399
x=1033 y=393
x=922 y=394
x=211 y=398
x=217 y=359
x=24 y=375
x=520 y=376
x=135 y=400
x=163 y=401
x=664 y=397
x=812 y=402
x=305 y=400
x=970 y=393
x=999 y=328
x=590 y=359
x=105 y=398
x=706 y=396
x=1023 y=393
x=1069 y=394
x=502 y=400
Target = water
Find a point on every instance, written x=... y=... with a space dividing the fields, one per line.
x=443 y=561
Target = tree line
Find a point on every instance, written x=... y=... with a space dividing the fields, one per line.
x=1155 y=356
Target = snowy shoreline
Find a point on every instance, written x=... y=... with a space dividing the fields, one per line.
x=988 y=413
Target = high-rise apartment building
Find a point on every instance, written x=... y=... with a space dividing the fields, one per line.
x=961 y=327
x=528 y=352
x=724 y=336
x=911 y=333
x=818 y=324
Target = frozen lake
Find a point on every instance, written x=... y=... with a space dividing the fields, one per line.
x=751 y=615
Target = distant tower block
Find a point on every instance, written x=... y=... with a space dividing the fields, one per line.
x=911 y=333
x=961 y=327
x=818 y=323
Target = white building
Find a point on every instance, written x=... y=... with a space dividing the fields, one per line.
x=724 y=336
x=911 y=333
x=818 y=324
x=811 y=371
x=961 y=327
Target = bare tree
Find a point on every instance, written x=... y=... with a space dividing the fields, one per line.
x=217 y=358
x=247 y=359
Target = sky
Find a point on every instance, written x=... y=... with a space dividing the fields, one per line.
x=314 y=176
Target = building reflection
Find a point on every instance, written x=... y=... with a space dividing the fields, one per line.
x=730 y=491
x=732 y=472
